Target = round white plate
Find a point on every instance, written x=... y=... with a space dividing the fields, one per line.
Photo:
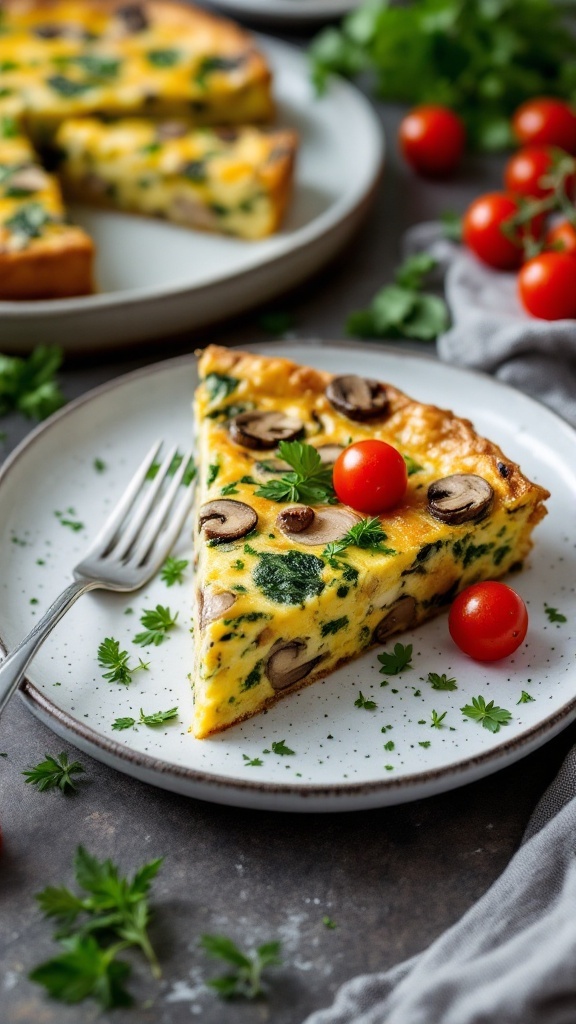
x=284 y=12
x=157 y=278
x=344 y=757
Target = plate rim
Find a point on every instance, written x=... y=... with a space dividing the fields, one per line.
x=44 y=707
x=337 y=214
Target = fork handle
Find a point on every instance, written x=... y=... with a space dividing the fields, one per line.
x=15 y=664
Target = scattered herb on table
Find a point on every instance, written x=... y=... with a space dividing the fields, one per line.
x=362 y=702
x=54 y=773
x=173 y=571
x=441 y=682
x=245 y=977
x=481 y=59
x=116 y=661
x=279 y=747
x=158 y=717
x=554 y=615
x=328 y=922
x=310 y=480
x=389 y=745
x=424 y=743
x=29 y=385
x=403 y=309
x=525 y=698
x=157 y=624
x=489 y=715
x=398 y=661
x=252 y=762
x=99 y=465
x=111 y=914
x=73 y=524
x=437 y=719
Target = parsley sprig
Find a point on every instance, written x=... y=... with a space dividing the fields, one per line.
x=29 y=385
x=245 y=977
x=155 y=718
x=441 y=682
x=398 y=661
x=116 y=661
x=403 y=309
x=363 y=702
x=367 y=534
x=489 y=715
x=309 y=482
x=157 y=624
x=110 y=914
x=173 y=571
x=54 y=773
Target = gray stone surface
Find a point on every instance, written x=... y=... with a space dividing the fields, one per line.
x=391 y=879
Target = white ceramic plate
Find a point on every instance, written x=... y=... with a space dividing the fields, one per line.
x=339 y=761
x=157 y=278
x=284 y=12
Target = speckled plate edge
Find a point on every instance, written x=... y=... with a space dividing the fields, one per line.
x=289 y=797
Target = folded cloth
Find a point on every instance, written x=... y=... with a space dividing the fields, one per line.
x=491 y=332
x=510 y=960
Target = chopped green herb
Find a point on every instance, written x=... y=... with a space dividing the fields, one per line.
x=424 y=743
x=123 y=723
x=116 y=661
x=367 y=534
x=362 y=702
x=490 y=716
x=213 y=471
x=157 y=624
x=253 y=677
x=389 y=745
x=72 y=524
x=173 y=571
x=397 y=662
x=525 y=698
x=310 y=482
x=68 y=87
x=328 y=922
x=411 y=465
x=54 y=773
x=9 y=128
x=437 y=719
x=208 y=65
x=554 y=615
x=244 y=977
x=99 y=465
x=157 y=717
x=279 y=747
x=28 y=384
x=219 y=386
x=402 y=309
x=441 y=682
x=289 y=578
x=238 y=564
x=228 y=489
x=163 y=58
x=334 y=626
x=252 y=762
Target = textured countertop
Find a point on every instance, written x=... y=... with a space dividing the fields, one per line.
x=390 y=879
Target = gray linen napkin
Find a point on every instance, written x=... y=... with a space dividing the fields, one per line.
x=510 y=960
x=491 y=332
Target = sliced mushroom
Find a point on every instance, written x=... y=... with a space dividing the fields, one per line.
x=329 y=453
x=133 y=17
x=329 y=523
x=225 y=519
x=167 y=130
x=263 y=429
x=460 y=498
x=30 y=179
x=358 y=397
x=213 y=604
x=286 y=664
x=400 y=616
x=294 y=520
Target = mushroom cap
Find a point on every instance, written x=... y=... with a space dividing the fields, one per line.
x=400 y=616
x=213 y=604
x=358 y=398
x=460 y=498
x=330 y=523
x=286 y=663
x=225 y=519
x=263 y=429
x=295 y=519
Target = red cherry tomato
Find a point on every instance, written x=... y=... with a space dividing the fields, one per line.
x=370 y=476
x=545 y=121
x=525 y=171
x=562 y=238
x=547 y=286
x=488 y=621
x=432 y=140
x=483 y=234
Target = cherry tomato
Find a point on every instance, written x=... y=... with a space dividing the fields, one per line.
x=432 y=140
x=547 y=286
x=370 y=476
x=562 y=238
x=545 y=121
x=483 y=234
x=525 y=171
x=488 y=621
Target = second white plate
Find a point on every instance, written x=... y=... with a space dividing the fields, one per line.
x=158 y=279
x=342 y=757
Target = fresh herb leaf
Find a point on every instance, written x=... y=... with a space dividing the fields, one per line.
x=158 y=717
x=424 y=743
x=29 y=385
x=441 y=682
x=489 y=715
x=397 y=662
x=279 y=747
x=367 y=534
x=402 y=309
x=219 y=386
x=554 y=615
x=54 y=773
x=334 y=626
x=213 y=471
x=253 y=762
x=452 y=226
x=157 y=624
x=123 y=723
x=173 y=571
x=163 y=58
x=99 y=465
x=116 y=661
x=245 y=979
x=328 y=922
x=310 y=482
x=85 y=969
x=289 y=578
x=437 y=719
x=411 y=465
x=389 y=745
x=525 y=698
x=362 y=702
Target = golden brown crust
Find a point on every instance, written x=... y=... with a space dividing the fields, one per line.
x=49 y=271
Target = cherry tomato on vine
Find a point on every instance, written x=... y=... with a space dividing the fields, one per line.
x=483 y=230
x=526 y=171
x=547 y=286
x=488 y=621
x=432 y=139
x=545 y=121
x=562 y=238
x=370 y=476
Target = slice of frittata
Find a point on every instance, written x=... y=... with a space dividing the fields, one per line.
x=232 y=180
x=288 y=590
x=41 y=256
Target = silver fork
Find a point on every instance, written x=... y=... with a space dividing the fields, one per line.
x=130 y=548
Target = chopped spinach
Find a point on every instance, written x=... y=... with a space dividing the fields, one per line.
x=289 y=578
x=219 y=386
x=334 y=626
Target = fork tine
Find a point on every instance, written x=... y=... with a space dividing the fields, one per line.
x=168 y=538
x=141 y=512
x=156 y=523
x=116 y=517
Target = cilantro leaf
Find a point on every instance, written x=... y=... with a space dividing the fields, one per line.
x=245 y=980
x=441 y=682
x=279 y=747
x=362 y=702
x=158 y=622
x=310 y=482
x=489 y=715
x=397 y=662
x=54 y=773
x=173 y=571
